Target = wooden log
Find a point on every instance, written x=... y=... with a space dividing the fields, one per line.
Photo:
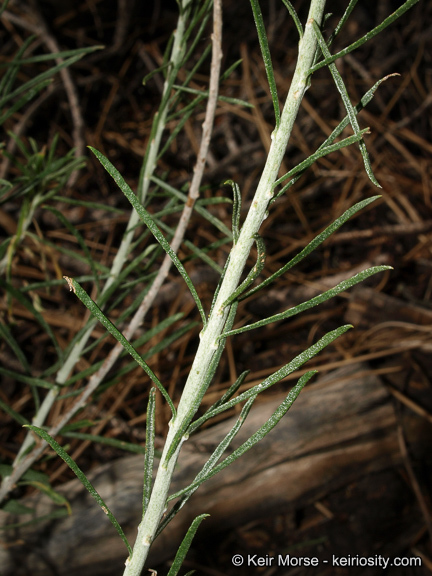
x=338 y=430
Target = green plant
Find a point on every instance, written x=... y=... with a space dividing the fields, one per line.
x=233 y=287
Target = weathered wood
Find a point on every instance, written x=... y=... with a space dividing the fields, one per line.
x=339 y=429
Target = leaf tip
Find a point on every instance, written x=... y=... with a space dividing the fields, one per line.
x=70 y=284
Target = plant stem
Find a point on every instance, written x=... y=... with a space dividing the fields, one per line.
x=194 y=389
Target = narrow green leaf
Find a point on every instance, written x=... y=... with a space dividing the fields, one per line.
x=89 y=205
x=8 y=78
x=280 y=374
x=7 y=336
x=49 y=491
x=7 y=469
x=342 y=21
x=37 y=315
x=389 y=20
x=313 y=244
x=253 y=273
x=150 y=75
x=230 y=70
x=367 y=97
x=265 y=51
x=120 y=444
x=16 y=507
x=228 y=394
x=43 y=76
x=236 y=209
x=97 y=313
x=50 y=56
x=199 y=253
x=149 y=222
x=29 y=380
x=340 y=85
x=204 y=94
x=320 y=153
x=211 y=462
x=217 y=453
x=54 y=515
x=185 y=545
x=341 y=287
x=76 y=234
x=83 y=478
x=294 y=16
x=198 y=207
x=183 y=115
x=13 y=413
x=30 y=95
x=149 y=449
x=255 y=438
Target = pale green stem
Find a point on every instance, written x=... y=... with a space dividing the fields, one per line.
x=192 y=394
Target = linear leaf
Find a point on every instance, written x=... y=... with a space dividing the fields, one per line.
x=265 y=51
x=323 y=297
x=228 y=394
x=149 y=222
x=120 y=444
x=198 y=207
x=283 y=372
x=236 y=209
x=199 y=253
x=89 y=205
x=217 y=453
x=7 y=336
x=75 y=232
x=149 y=449
x=29 y=380
x=364 y=101
x=340 y=85
x=211 y=462
x=97 y=312
x=253 y=273
x=204 y=94
x=255 y=438
x=313 y=244
x=13 y=413
x=50 y=56
x=185 y=545
x=320 y=153
x=389 y=20
x=37 y=315
x=83 y=478
x=342 y=21
x=44 y=75
x=294 y=16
